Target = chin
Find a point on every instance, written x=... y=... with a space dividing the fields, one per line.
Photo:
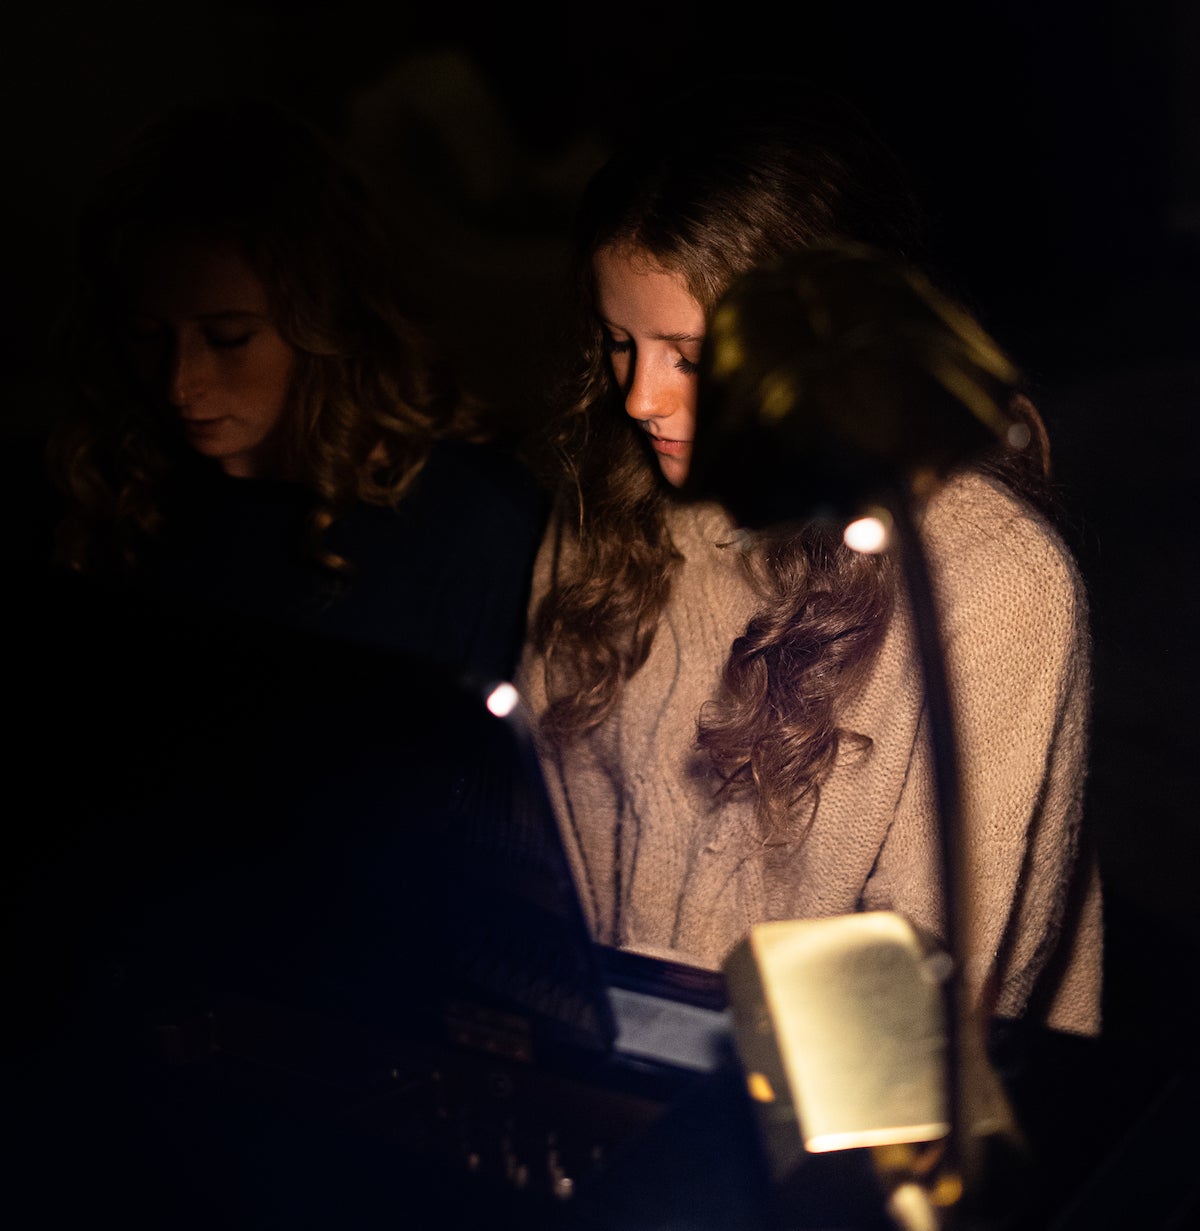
x=674 y=470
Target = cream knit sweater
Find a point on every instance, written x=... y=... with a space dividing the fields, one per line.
x=664 y=868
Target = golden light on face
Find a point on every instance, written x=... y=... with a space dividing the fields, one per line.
x=654 y=330
x=204 y=343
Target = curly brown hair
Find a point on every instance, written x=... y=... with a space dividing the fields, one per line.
x=370 y=392
x=741 y=179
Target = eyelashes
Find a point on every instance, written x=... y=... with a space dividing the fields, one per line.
x=613 y=346
x=150 y=337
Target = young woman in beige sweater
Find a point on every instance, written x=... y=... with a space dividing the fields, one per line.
x=734 y=724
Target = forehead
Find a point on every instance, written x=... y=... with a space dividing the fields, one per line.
x=178 y=278
x=636 y=294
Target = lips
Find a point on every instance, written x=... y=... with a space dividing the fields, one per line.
x=670 y=448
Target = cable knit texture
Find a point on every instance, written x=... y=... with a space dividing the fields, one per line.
x=665 y=867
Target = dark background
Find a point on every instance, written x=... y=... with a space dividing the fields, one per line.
x=1057 y=146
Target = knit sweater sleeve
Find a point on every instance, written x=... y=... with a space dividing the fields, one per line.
x=588 y=789
x=1013 y=618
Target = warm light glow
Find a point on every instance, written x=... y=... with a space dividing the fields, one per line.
x=502 y=700
x=910 y=1207
x=867 y=534
x=760 y=1088
x=857 y=1139
x=777 y=397
x=948 y=1190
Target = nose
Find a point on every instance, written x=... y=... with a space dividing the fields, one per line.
x=186 y=373
x=646 y=397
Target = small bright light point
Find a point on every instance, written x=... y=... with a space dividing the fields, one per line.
x=866 y=534
x=502 y=700
x=1018 y=435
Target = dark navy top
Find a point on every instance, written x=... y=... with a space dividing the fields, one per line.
x=244 y=780
x=445 y=575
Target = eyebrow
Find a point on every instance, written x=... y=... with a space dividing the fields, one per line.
x=657 y=337
x=231 y=314
x=225 y=316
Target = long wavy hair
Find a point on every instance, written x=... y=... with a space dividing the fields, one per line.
x=720 y=186
x=370 y=391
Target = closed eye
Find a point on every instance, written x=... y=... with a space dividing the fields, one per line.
x=223 y=342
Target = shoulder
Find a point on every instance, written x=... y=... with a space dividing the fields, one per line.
x=990 y=552
x=485 y=478
x=699 y=528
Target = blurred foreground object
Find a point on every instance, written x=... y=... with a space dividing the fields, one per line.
x=844 y=1077
x=836 y=379
x=833 y=384
x=841 y=1028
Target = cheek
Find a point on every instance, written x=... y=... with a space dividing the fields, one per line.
x=281 y=383
x=682 y=395
x=689 y=398
x=267 y=379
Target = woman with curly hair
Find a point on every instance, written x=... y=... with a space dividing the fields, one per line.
x=259 y=425
x=733 y=719
x=283 y=535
